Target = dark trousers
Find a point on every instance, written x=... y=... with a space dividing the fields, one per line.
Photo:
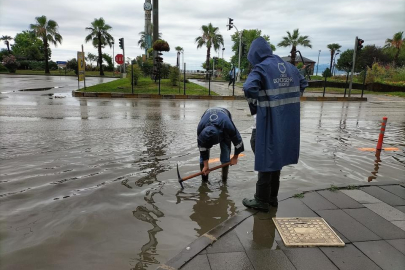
x=231 y=81
x=268 y=183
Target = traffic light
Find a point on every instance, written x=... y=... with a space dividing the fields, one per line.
x=121 y=43
x=230 y=24
x=359 y=44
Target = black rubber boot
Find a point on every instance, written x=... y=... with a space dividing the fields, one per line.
x=225 y=171
x=256 y=204
x=204 y=178
x=274 y=187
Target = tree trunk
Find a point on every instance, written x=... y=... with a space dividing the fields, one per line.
x=331 y=59
x=396 y=57
x=293 y=54
x=100 y=56
x=207 y=64
x=8 y=46
x=46 y=56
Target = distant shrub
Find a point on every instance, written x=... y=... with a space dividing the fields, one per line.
x=10 y=63
x=174 y=75
x=3 y=69
x=326 y=73
x=137 y=73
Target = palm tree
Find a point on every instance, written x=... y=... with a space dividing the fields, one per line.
x=99 y=37
x=294 y=40
x=6 y=41
x=396 y=42
x=333 y=48
x=211 y=38
x=47 y=30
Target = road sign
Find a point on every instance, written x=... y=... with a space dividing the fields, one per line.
x=81 y=65
x=119 y=58
x=61 y=62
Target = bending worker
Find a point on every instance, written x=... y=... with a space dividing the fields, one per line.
x=273 y=90
x=215 y=127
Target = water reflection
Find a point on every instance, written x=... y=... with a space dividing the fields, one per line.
x=264 y=229
x=209 y=211
x=84 y=112
x=377 y=162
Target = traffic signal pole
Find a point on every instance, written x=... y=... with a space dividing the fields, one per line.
x=354 y=63
x=230 y=25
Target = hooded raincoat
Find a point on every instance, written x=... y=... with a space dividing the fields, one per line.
x=215 y=127
x=273 y=89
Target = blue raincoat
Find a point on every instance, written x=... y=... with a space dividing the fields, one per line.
x=273 y=89
x=215 y=127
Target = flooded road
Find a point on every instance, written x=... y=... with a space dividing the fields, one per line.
x=92 y=184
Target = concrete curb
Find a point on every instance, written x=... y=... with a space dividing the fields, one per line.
x=155 y=96
x=217 y=232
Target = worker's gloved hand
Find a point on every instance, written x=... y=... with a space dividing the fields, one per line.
x=234 y=160
x=205 y=170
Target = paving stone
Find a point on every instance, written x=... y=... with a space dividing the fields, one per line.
x=340 y=199
x=399 y=224
x=395 y=189
x=386 y=211
x=270 y=259
x=227 y=243
x=361 y=196
x=309 y=259
x=294 y=208
x=383 y=254
x=376 y=223
x=231 y=261
x=317 y=202
x=400 y=208
x=349 y=258
x=384 y=195
x=348 y=226
x=398 y=244
x=199 y=262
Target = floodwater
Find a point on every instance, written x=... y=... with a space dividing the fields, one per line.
x=92 y=183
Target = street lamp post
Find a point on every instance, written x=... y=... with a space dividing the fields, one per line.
x=223 y=49
x=317 y=63
x=113 y=58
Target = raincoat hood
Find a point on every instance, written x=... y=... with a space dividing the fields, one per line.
x=259 y=50
x=208 y=137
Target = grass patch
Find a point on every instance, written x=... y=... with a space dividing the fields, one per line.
x=332 y=90
x=299 y=195
x=62 y=73
x=334 y=188
x=147 y=86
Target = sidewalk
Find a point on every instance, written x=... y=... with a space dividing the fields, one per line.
x=369 y=219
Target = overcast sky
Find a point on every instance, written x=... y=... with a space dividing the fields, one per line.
x=323 y=21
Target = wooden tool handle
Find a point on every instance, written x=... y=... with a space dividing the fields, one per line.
x=210 y=170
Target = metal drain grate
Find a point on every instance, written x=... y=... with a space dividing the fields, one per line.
x=307 y=232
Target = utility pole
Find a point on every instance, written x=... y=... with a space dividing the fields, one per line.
x=155 y=28
x=354 y=63
x=230 y=26
x=317 y=65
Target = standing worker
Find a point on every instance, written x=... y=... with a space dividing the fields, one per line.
x=231 y=76
x=215 y=127
x=273 y=91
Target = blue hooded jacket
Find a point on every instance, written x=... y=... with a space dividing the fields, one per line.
x=216 y=126
x=273 y=89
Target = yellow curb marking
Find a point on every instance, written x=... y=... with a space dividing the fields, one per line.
x=209 y=236
x=166 y=267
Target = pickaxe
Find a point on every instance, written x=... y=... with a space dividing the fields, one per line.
x=181 y=180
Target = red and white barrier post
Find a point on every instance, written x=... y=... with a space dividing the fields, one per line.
x=382 y=131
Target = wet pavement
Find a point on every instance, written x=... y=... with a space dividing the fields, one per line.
x=370 y=220
x=91 y=183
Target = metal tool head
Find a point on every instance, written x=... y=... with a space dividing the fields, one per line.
x=179 y=177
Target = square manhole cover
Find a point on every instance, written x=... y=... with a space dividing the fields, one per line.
x=308 y=232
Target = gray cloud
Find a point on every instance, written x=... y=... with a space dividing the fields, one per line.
x=180 y=22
